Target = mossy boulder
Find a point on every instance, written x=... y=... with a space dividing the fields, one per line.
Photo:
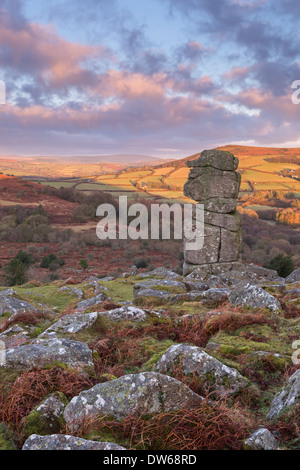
x=213 y=374
x=144 y=393
x=44 y=352
x=47 y=417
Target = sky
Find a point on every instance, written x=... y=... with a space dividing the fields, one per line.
x=166 y=78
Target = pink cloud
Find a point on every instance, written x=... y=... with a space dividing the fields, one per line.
x=40 y=51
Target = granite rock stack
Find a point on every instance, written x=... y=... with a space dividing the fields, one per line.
x=214 y=182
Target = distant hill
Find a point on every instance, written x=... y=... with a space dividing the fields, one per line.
x=242 y=152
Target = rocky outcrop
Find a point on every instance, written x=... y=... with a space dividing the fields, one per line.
x=192 y=360
x=144 y=393
x=215 y=184
x=65 y=442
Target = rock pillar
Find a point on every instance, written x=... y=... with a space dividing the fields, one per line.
x=214 y=183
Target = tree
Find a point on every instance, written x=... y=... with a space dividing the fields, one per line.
x=52 y=261
x=284 y=265
x=25 y=258
x=84 y=264
x=15 y=272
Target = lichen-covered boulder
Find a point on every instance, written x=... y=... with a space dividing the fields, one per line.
x=262 y=439
x=144 y=393
x=162 y=272
x=159 y=284
x=72 y=323
x=156 y=294
x=287 y=397
x=254 y=296
x=191 y=360
x=66 y=442
x=47 y=417
x=44 y=352
x=125 y=313
x=10 y=304
x=214 y=295
x=88 y=303
x=251 y=274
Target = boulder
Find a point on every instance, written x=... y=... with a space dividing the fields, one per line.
x=201 y=273
x=85 y=304
x=262 y=439
x=65 y=442
x=125 y=313
x=158 y=284
x=289 y=396
x=191 y=360
x=12 y=305
x=47 y=417
x=72 y=323
x=44 y=352
x=158 y=294
x=144 y=393
x=293 y=277
x=254 y=296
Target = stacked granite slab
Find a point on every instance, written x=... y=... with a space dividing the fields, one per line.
x=214 y=183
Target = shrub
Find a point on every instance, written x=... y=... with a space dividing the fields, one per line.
x=15 y=273
x=25 y=257
x=52 y=262
x=284 y=265
x=142 y=263
x=84 y=264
